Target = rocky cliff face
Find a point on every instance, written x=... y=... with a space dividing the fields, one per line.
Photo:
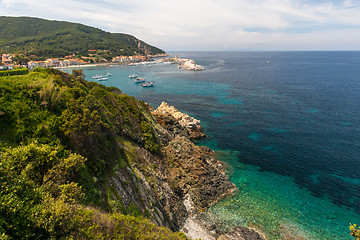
x=173 y=185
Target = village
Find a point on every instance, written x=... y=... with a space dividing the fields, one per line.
x=11 y=61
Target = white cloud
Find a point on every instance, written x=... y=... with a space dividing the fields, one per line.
x=7 y=3
x=210 y=24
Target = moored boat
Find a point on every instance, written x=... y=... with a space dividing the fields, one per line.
x=103 y=79
x=97 y=76
x=139 y=80
x=149 y=84
x=133 y=76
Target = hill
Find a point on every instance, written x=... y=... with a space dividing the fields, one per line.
x=45 y=38
x=79 y=160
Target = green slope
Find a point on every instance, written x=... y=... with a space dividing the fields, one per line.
x=60 y=140
x=45 y=38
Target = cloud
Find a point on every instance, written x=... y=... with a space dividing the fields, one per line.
x=208 y=24
x=7 y=3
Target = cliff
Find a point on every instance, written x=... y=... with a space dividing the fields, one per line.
x=81 y=160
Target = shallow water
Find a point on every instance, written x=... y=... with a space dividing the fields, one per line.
x=286 y=122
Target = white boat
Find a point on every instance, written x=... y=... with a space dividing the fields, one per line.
x=97 y=76
x=108 y=74
x=133 y=76
x=103 y=79
x=149 y=84
x=139 y=80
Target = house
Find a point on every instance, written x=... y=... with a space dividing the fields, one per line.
x=71 y=62
x=35 y=64
x=70 y=56
x=125 y=59
x=116 y=59
x=6 y=59
x=53 y=62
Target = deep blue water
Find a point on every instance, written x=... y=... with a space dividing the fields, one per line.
x=287 y=123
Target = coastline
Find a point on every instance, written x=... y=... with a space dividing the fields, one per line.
x=87 y=65
x=213 y=179
x=271 y=186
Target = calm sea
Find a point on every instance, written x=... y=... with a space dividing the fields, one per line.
x=287 y=124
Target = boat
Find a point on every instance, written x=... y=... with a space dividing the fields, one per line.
x=139 y=80
x=103 y=79
x=108 y=74
x=133 y=76
x=149 y=84
x=97 y=76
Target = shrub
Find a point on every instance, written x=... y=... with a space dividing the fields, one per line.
x=149 y=139
x=21 y=71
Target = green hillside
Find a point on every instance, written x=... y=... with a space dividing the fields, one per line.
x=44 y=38
x=61 y=140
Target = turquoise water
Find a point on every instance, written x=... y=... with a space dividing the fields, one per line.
x=278 y=207
x=289 y=130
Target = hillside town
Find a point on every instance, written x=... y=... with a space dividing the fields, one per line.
x=10 y=61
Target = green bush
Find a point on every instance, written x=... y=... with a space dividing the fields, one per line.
x=22 y=71
x=149 y=139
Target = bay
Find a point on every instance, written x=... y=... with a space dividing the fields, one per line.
x=287 y=124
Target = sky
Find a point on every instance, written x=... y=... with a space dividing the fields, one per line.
x=211 y=25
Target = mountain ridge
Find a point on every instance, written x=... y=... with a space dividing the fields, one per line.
x=52 y=38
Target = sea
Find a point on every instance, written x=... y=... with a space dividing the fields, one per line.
x=287 y=124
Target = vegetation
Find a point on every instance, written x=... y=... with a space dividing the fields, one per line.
x=21 y=71
x=355 y=231
x=59 y=139
x=40 y=39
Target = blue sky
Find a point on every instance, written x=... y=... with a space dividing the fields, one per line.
x=212 y=24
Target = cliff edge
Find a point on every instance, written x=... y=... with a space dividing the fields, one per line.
x=84 y=161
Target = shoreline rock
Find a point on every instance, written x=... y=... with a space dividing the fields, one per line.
x=189 y=64
x=166 y=115
x=198 y=178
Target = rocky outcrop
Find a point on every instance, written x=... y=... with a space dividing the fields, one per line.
x=190 y=64
x=166 y=114
x=172 y=186
x=163 y=186
x=143 y=186
x=176 y=187
x=195 y=173
x=168 y=122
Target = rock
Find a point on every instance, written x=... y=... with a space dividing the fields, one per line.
x=189 y=64
x=196 y=172
x=177 y=185
x=190 y=124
